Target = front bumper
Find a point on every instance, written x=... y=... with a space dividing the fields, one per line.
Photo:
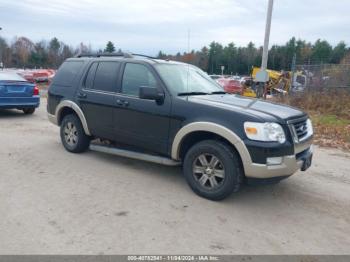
x=289 y=165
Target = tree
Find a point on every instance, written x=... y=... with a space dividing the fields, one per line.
x=110 y=47
x=237 y=59
x=3 y=48
x=338 y=52
x=305 y=53
x=189 y=57
x=230 y=54
x=54 y=49
x=291 y=49
x=201 y=58
x=251 y=54
x=22 y=49
x=54 y=45
x=66 y=52
x=215 y=57
x=161 y=55
x=321 y=51
x=39 y=57
x=82 y=49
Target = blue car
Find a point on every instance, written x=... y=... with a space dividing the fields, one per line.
x=18 y=93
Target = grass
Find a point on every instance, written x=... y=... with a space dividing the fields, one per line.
x=331 y=120
x=330 y=115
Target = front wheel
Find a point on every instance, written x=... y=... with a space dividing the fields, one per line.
x=73 y=136
x=213 y=169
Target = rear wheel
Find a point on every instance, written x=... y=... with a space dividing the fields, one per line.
x=213 y=169
x=28 y=111
x=73 y=136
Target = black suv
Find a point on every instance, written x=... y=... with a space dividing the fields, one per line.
x=173 y=113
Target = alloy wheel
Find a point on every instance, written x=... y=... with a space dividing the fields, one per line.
x=208 y=171
x=70 y=134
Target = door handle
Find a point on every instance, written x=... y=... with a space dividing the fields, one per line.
x=82 y=95
x=122 y=102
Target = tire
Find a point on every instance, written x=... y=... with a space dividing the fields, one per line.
x=72 y=134
x=228 y=172
x=28 y=111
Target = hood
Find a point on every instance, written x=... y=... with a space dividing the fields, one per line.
x=259 y=108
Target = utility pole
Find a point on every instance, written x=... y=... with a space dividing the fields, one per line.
x=267 y=36
x=262 y=76
x=293 y=68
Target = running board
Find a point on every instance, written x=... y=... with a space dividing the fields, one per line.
x=134 y=155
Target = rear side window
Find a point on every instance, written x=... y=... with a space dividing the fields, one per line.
x=106 y=76
x=89 y=80
x=67 y=73
x=136 y=76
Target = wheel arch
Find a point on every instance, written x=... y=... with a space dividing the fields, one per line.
x=211 y=129
x=73 y=107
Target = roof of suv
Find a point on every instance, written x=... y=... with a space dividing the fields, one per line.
x=124 y=56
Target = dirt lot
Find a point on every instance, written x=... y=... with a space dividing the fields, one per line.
x=54 y=202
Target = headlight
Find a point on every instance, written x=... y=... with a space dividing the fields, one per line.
x=310 y=130
x=264 y=132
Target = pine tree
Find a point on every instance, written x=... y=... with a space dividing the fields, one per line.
x=109 y=47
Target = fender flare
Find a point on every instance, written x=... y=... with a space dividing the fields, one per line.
x=217 y=129
x=76 y=109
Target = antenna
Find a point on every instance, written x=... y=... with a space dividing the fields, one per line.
x=188 y=55
x=188 y=40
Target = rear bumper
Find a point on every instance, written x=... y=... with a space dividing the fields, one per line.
x=19 y=102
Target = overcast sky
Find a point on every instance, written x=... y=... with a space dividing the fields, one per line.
x=148 y=26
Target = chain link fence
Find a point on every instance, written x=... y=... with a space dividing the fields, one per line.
x=322 y=76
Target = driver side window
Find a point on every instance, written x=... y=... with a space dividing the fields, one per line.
x=136 y=76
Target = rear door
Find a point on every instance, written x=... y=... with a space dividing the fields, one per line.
x=97 y=97
x=139 y=122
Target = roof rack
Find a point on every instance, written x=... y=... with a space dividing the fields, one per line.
x=147 y=56
x=119 y=54
x=126 y=55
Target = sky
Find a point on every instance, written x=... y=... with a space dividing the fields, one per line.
x=147 y=26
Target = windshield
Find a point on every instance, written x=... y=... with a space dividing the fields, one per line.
x=186 y=79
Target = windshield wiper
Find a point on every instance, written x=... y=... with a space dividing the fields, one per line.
x=192 y=93
x=218 y=93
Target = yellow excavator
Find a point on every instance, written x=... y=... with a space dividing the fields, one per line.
x=279 y=82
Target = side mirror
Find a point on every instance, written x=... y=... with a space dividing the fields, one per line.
x=151 y=93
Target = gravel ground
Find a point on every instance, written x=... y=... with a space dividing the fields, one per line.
x=54 y=202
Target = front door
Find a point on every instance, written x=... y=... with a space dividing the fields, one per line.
x=139 y=122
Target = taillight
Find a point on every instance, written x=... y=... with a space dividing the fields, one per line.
x=36 y=91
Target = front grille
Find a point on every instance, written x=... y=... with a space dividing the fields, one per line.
x=299 y=129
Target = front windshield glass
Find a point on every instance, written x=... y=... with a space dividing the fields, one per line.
x=183 y=79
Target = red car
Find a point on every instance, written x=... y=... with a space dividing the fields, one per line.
x=36 y=76
x=232 y=86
